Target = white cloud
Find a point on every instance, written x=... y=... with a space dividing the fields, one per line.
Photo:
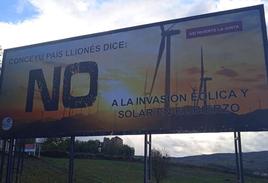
x=226 y=4
x=66 y=18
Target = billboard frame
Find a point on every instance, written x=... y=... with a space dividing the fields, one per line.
x=260 y=8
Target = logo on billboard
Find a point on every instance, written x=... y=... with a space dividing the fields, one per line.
x=7 y=123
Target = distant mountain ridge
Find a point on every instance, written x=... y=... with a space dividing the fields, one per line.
x=255 y=163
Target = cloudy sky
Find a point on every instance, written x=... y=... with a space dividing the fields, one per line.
x=24 y=22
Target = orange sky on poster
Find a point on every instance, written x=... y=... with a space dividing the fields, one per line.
x=234 y=61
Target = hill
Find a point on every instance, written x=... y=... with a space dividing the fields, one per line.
x=255 y=163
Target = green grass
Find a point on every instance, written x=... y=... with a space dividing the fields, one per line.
x=52 y=170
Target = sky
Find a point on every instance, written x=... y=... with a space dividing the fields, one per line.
x=24 y=22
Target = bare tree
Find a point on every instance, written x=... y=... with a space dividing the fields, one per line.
x=159 y=165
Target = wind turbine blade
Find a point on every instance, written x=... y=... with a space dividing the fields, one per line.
x=201 y=77
x=170 y=27
x=145 y=84
x=160 y=53
x=202 y=64
x=162 y=29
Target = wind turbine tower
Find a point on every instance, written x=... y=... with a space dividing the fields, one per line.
x=165 y=42
x=203 y=83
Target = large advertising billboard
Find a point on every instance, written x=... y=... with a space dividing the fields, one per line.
x=205 y=73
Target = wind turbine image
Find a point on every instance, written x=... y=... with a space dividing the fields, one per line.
x=165 y=43
x=145 y=93
x=203 y=82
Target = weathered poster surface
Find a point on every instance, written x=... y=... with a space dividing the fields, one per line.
x=205 y=73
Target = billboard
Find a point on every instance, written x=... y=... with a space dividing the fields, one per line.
x=30 y=148
x=205 y=73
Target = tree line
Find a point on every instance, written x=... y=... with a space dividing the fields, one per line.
x=59 y=147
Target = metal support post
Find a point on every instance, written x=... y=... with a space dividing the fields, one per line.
x=22 y=158
x=39 y=150
x=71 y=160
x=15 y=154
x=3 y=155
x=150 y=158
x=19 y=161
x=145 y=176
x=239 y=157
x=9 y=161
x=236 y=159
x=147 y=158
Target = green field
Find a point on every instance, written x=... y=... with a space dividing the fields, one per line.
x=52 y=170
